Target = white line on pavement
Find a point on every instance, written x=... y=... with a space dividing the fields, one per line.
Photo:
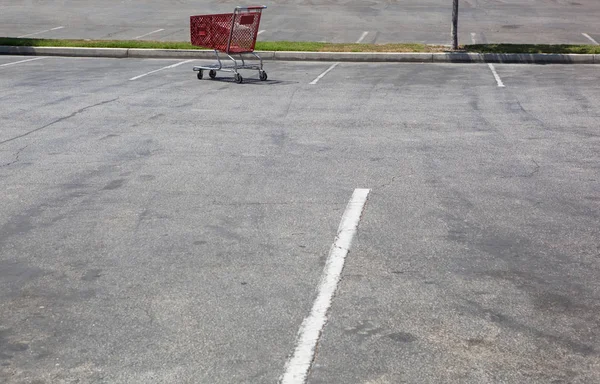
x=496 y=76
x=361 y=38
x=22 y=61
x=473 y=37
x=315 y=81
x=261 y=31
x=591 y=38
x=161 y=69
x=298 y=366
x=37 y=33
x=148 y=34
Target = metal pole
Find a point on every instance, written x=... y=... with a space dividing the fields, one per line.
x=455 y=24
x=235 y=13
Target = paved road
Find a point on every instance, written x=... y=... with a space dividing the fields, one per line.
x=170 y=230
x=516 y=21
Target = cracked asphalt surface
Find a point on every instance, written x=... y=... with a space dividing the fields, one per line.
x=170 y=230
x=425 y=21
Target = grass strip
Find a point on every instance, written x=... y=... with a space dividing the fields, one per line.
x=534 y=48
x=24 y=42
x=308 y=46
x=346 y=47
x=305 y=46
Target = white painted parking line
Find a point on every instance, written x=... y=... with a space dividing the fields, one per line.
x=362 y=37
x=161 y=69
x=261 y=31
x=496 y=76
x=590 y=38
x=40 y=32
x=492 y=68
x=148 y=34
x=21 y=61
x=315 y=81
x=298 y=366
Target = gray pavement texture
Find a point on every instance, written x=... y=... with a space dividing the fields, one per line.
x=170 y=230
x=426 y=21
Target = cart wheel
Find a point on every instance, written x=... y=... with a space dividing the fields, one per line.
x=200 y=75
x=238 y=78
x=212 y=73
x=262 y=76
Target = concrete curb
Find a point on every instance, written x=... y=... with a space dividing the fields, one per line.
x=514 y=58
x=169 y=53
x=539 y=58
x=64 y=51
x=444 y=57
x=354 y=56
x=458 y=57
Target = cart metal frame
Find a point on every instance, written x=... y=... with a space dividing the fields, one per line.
x=237 y=31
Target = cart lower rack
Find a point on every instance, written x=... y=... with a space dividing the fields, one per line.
x=232 y=34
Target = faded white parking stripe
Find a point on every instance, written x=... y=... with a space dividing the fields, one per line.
x=40 y=32
x=21 y=61
x=161 y=69
x=590 y=38
x=362 y=37
x=149 y=33
x=297 y=368
x=496 y=76
x=315 y=81
x=261 y=31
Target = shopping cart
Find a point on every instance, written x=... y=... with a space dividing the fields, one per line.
x=232 y=34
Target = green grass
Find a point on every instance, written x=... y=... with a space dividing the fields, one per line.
x=21 y=42
x=533 y=48
x=308 y=46
x=345 y=47
x=260 y=46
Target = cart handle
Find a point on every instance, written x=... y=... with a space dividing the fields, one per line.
x=250 y=8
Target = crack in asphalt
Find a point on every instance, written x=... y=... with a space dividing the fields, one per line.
x=58 y=120
x=16 y=157
x=536 y=170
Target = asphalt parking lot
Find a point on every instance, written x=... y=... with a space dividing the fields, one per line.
x=377 y=21
x=170 y=230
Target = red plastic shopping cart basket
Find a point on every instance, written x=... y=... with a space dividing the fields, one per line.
x=232 y=34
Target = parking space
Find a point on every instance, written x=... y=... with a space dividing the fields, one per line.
x=485 y=271
x=121 y=181
x=168 y=229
